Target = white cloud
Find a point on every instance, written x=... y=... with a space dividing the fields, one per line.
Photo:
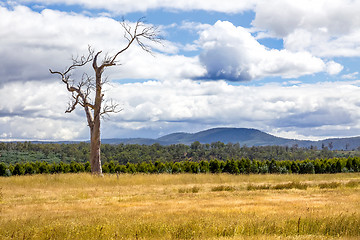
x=37 y=111
x=32 y=102
x=208 y=104
x=139 y=65
x=324 y=44
x=326 y=28
x=46 y=39
x=333 y=68
x=232 y=53
x=281 y=17
x=153 y=108
x=350 y=75
x=304 y=109
x=34 y=42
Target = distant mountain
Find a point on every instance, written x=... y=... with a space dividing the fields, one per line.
x=250 y=137
x=243 y=136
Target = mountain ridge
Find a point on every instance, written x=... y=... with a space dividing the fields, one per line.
x=243 y=136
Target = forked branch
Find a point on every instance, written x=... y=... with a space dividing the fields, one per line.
x=140 y=32
x=110 y=107
x=79 y=96
x=82 y=90
x=87 y=86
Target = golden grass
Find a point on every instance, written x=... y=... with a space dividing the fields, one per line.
x=183 y=206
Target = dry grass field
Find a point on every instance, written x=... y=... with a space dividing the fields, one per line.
x=183 y=206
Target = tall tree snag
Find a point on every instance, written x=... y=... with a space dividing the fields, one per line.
x=87 y=86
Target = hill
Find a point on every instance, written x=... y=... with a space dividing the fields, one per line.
x=248 y=136
x=244 y=136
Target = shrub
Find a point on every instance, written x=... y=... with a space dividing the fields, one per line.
x=105 y=168
x=29 y=168
x=263 y=169
x=329 y=185
x=119 y=168
x=273 y=167
x=76 y=167
x=231 y=167
x=176 y=168
x=44 y=167
x=195 y=168
x=8 y=173
x=87 y=167
x=204 y=166
x=352 y=184
x=254 y=168
x=160 y=167
x=3 y=169
x=290 y=185
x=130 y=168
x=215 y=166
x=18 y=169
x=194 y=189
x=223 y=188
x=10 y=170
x=307 y=168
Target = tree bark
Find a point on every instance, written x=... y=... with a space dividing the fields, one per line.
x=95 y=156
x=95 y=143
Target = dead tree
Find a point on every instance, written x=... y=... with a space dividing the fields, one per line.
x=82 y=89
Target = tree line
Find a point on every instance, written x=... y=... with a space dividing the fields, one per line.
x=21 y=152
x=231 y=166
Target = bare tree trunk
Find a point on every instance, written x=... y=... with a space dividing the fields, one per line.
x=81 y=91
x=95 y=143
x=95 y=156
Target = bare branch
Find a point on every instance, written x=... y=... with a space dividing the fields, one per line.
x=82 y=90
x=80 y=62
x=110 y=108
x=78 y=95
x=95 y=60
x=141 y=31
x=73 y=103
x=104 y=81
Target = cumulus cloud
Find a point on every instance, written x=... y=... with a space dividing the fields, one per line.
x=232 y=53
x=281 y=17
x=313 y=32
x=304 y=109
x=333 y=68
x=326 y=28
x=154 y=108
x=228 y=52
x=33 y=42
x=34 y=110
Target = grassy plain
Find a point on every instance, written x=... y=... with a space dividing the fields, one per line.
x=183 y=206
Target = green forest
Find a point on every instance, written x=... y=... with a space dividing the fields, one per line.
x=19 y=158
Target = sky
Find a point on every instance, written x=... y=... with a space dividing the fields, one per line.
x=288 y=68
